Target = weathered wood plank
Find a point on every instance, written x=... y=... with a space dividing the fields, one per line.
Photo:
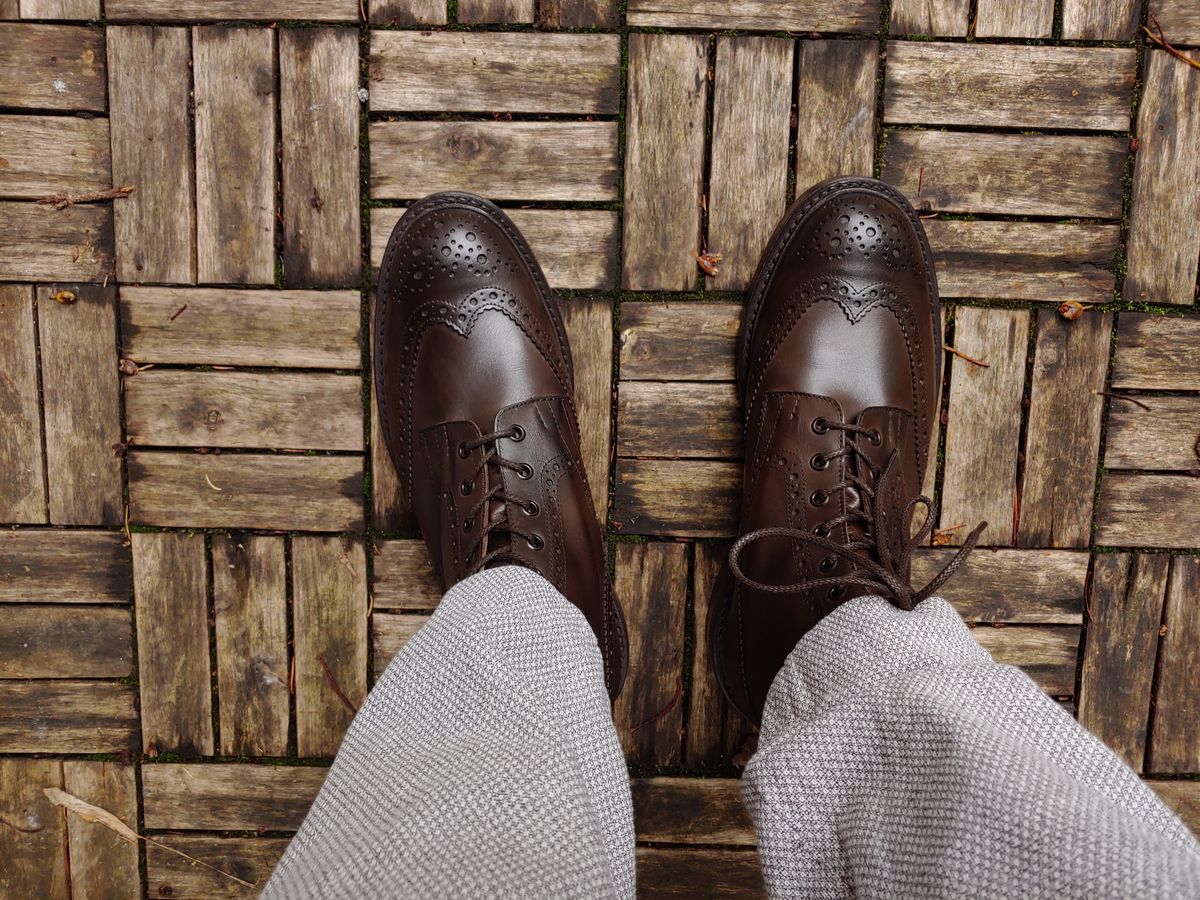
x=1046 y=653
x=479 y=12
x=80 y=160
x=929 y=481
x=1100 y=20
x=756 y=15
x=930 y=17
x=40 y=243
x=66 y=642
x=10 y=9
x=835 y=132
x=233 y=73
x=461 y=71
x=752 y=104
x=1162 y=436
x=679 y=419
x=1182 y=798
x=664 y=872
x=692 y=811
x=52 y=67
x=228 y=797
x=102 y=864
x=685 y=498
x=391 y=632
x=23 y=488
x=589 y=326
x=1175 y=737
x=319 y=106
x=652 y=582
x=404 y=579
x=81 y=404
x=244 y=409
x=250 y=859
x=151 y=150
x=1017 y=587
x=388 y=509
x=1180 y=20
x=1014 y=18
x=60 y=9
x=1024 y=260
x=67 y=717
x=246 y=490
x=1148 y=511
x=1157 y=352
x=329 y=609
x=34 y=844
x=664 y=160
x=407 y=12
x=1164 y=228
x=250 y=610
x=679 y=341
x=576 y=248
x=55 y=566
x=170 y=586
x=223 y=10
x=1009 y=86
x=578 y=14
x=1009 y=174
x=1125 y=611
x=984 y=427
x=1062 y=444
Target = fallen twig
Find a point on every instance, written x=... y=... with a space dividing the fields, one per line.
x=337 y=688
x=970 y=359
x=1161 y=40
x=15 y=827
x=1132 y=400
x=666 y=709
x=62 y=199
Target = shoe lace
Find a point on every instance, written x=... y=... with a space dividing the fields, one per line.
x=502 y=523
x=881 y=559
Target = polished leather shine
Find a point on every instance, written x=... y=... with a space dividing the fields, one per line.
x=838 y=364
x=474 y=382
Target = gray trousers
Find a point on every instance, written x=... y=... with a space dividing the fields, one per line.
x=896 y=759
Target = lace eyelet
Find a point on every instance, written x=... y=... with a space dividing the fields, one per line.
x=828 y=563
x=875 y=437
x=821 y=531
x=820 y=425
x=466 y=487
x=516 y=433
x=525 y=472
x=463 y=452
x=819 y=462
x=531 y=508
x=536 y=542
x=818 y=498
x=837 y=592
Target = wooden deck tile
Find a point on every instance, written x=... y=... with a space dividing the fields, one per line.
x=1012 y=587
x=57 y=67
x=1082 y=88
x=1014 y=18
x=102 y=863
x=756 y=15
x=80 y=162
x=836 y=88
x=984 y=426
x=35 y=851
x=67 y=716
x=234 y=76
x=228 y=797
x=930 y=17
x=456 y=71
x=1180 y=20
x=1046 y=653
x=678 y=341
x=260 y=10
x=692 y=811
x=250 y=611
x=1125 y=611
x=1175 y=734
x=589 y=326
x=23 y=489
x=1100 y=20
x=1161 y=436
x=684 y=498
x=479 y=12
x=651 y=583
x=388 y=509
x=664 y=872
x=404 y=578
x=329 y=582
x=297 y=410
x=1182 y=798
x=407 y=12
x=66 y=642
x=40 y=565
x=679 y=420
x=752 y=103
x=170 y=578
x=40 y=243
x=1157 y=353
x=1148 y=511
x=1164 y=231
x=60 y=9
x=250 y=859
x=391 y=631
x=319 y=107
x=664 y=160
x=578 y=13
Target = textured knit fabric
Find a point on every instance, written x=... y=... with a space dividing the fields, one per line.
x=484 y=763
x=897 y=759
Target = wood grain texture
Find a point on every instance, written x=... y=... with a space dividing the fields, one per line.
x=40 y=243
x=685 y=498
x=102 y=864
x=576 y=248
x=479 y=12
x=756 y=15
x=929 y=479
x=407 y=12
x=752 y=101
x=233 y=72
x=1157 y=353
x=1182 y=798
x=1125 y=611
x=170 y=585
x=1013 y=587
x=151 y=150
x=251 y=859
x=60 y=9
x=1164 y=227
x=1164 y=436
x=1024 y=260
x=589 y=326
x=319 y=106
x=500 y=160
x=1046 y=653
x=984 y=427
x=1062 y=444
x=1100 y=20
x=1009 y=174
x=23 y=489
x=1180 y=19
x=35 y=860
x=81 y=404
x=250 y=611
x=66 y=642
x=52 y=67
x=56 y=566
x=692 y=811
x=198 y=326
x=66 y=716
x=679 y=420
x=664 y=160
x=1014 y=18
x=10 y=9
x=221 y=10
x=172 y=408
x=836 y=88
x=329 y=585
x=1148 y=511
x=403 y=576
x=228 y=797
x=246 y=490
x=992 y=85
x=930 y=17
x=390 y=632
x=461 y=71
x=652 y=583
x=389 y=509
x=80 y=161
x=679 y=341
x=578 y=14
x=670 y=872
x=1175 y=736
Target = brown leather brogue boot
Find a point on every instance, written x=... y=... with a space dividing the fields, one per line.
x=838 y=363
x=474 y=379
